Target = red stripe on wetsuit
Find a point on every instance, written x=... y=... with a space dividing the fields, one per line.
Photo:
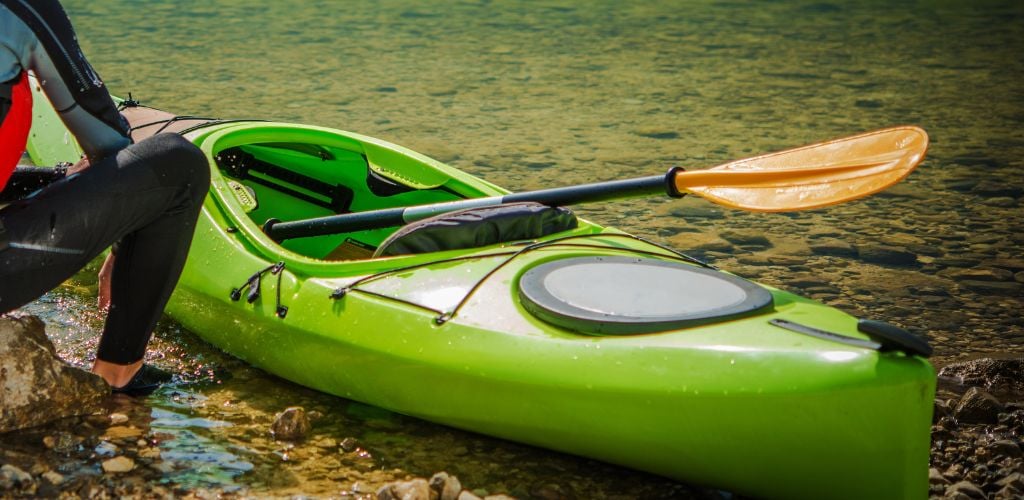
x=15 y=127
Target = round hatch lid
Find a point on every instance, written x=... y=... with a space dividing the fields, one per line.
x=628 y=295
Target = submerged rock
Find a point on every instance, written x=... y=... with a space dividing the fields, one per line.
x=36 y=386
x=291 y=425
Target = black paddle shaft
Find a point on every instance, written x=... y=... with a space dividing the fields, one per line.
x=390 y=217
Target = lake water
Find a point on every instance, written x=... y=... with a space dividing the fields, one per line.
x=551 y=93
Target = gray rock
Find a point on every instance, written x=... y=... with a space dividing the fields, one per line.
x=416 y=489
x=446 y=486
x=988 y=373
x=967 y=488
x=36 y=386
x=977 y=407
x=292 y=424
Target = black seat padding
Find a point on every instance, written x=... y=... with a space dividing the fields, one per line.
x=477 y=227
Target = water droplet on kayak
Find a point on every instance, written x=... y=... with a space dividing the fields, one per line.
x=732 y=361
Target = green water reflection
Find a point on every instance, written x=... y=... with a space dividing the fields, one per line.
x=548 y=93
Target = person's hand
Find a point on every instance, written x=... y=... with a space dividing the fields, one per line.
x=79 y=166
x=106 y=270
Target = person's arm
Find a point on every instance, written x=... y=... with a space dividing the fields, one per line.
x=42 y=39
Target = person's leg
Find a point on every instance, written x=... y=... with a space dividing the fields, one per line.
x=148 y=199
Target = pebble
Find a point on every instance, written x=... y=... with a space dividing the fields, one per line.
x=11 y=476
x=118 y=418
x=118 y=465
x=292 y=424
x=53 y=478
x=349 y=444
x=446 y=486
x=416 y=489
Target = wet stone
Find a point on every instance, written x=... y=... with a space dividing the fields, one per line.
x=38 y=386
x=446 y=486
x=1005 y=448
x=118 y=465
x=977 y=407
x=936 y=477
x=292 y=424
x=416 y=489
x=12 y=477
x=1003 y=375
x=966 y=488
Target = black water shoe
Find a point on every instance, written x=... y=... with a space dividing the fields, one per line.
x=145 y=381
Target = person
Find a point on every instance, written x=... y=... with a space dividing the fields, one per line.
x=144 y=198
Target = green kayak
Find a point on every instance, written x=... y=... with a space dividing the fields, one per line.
x=524 y=322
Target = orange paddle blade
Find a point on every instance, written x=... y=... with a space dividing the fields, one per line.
x=812 y=176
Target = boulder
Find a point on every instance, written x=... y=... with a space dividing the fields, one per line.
x=36 y=386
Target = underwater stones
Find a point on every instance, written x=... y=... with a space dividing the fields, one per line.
x=887 y=255
x=746 y=237
x=11 y=477
x=35 y=385
x=292 y=424
x=833 y=247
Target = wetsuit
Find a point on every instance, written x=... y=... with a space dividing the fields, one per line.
x=144 y=197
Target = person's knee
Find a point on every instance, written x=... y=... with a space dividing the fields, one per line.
x=179 y=162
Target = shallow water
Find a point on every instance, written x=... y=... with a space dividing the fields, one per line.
x=550 y=93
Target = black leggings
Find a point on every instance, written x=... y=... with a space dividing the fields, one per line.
x=146 y=199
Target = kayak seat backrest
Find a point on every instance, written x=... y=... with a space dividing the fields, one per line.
x=478 y=227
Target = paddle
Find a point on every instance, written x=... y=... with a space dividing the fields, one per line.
x=802 y=178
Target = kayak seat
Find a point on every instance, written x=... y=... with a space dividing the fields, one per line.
x=477 y=227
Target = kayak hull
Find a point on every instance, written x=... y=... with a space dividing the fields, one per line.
x=740 y=404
